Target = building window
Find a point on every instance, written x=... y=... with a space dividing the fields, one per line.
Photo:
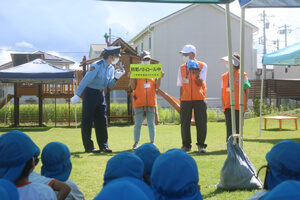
x=149 y=43
x=142 y=46
x=137 y=49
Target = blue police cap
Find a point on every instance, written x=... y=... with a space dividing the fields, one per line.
x=113 y=50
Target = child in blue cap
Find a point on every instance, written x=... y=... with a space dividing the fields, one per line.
x=286 y=190
x=124 y=164
x=8 y=191
x=283 y=164
x=175 y=176
x=57 y=164
x=124 y=189
x=148 y=154
x=61 y=189
x=17 y=152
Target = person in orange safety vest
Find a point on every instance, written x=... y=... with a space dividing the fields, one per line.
x=144 y=101
x=192 y=82
x=226 y=93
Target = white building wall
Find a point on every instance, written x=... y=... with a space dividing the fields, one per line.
x=292 y=72
x=204 y=27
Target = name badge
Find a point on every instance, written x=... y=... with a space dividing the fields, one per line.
x=228 y=89
x=186 y=80
x=147 y=85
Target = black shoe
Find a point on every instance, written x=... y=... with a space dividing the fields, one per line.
x=186 y=149
x=92 y=151
x=106 y=150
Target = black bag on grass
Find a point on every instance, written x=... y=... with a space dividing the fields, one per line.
x=237 y=171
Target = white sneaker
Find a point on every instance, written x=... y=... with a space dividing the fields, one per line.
x=201 y=149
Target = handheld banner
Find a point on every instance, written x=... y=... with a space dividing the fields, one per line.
x=145 y=71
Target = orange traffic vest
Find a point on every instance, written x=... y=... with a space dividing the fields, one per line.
x=143 y=96
x=226 y=91
x=191 y=91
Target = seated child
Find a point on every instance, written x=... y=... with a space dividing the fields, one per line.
x=17 y=162
x=61 y=189
x=283 y=164
x=285 y=190
x=175 y=176
x=57 y=164
x=8 y=191
x=124 y=164
x=148 y=154
x=124 y=189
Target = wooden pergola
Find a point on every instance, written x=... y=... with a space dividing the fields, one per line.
x=128 y=56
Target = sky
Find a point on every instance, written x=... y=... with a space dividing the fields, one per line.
x=67 y=28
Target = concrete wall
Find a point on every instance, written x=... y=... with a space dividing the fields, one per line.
x=204 y=26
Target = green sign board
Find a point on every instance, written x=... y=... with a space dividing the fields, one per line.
x=145 y=71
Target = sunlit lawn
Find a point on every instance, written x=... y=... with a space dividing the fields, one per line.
x=88 y=169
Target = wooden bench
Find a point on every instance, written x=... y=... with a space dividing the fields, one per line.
x=280 y=118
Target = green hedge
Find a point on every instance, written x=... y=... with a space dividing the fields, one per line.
x=29 y=113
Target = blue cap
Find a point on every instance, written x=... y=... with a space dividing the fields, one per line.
x=124 y=164
x=286 y=190
x=122 y=190
x=175 y=176
x=56 y=161
x=284 y=163
x=8 y=191
x=148 y=153
x=137 y=182
x=193 y=65
x=16 y=148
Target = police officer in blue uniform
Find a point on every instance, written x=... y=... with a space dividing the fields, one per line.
x=100 y=76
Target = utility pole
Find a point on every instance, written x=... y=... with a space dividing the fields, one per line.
x=265 y=26
x=285 y=35
x=109 y=35
x=284 y=31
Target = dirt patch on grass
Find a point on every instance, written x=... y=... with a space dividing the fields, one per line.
x=291 y=113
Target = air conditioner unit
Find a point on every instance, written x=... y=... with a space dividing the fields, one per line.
x=258 y=71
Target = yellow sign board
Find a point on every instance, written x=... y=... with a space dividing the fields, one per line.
x=145 y=71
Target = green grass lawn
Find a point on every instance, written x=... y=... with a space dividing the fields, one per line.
x=88 y=168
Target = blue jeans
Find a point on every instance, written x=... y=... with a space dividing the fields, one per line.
x=138 y=117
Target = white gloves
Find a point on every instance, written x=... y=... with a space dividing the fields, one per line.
x=75 y=99
x=119 y=73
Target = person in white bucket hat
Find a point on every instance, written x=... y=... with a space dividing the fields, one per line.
x=226 y=92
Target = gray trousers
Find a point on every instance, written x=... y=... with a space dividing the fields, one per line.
x=229 y=124
x=200 y=115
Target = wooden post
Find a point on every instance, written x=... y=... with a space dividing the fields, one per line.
x=16 y=106
x=129 y=107
x=69 y=104
x=40 y=106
